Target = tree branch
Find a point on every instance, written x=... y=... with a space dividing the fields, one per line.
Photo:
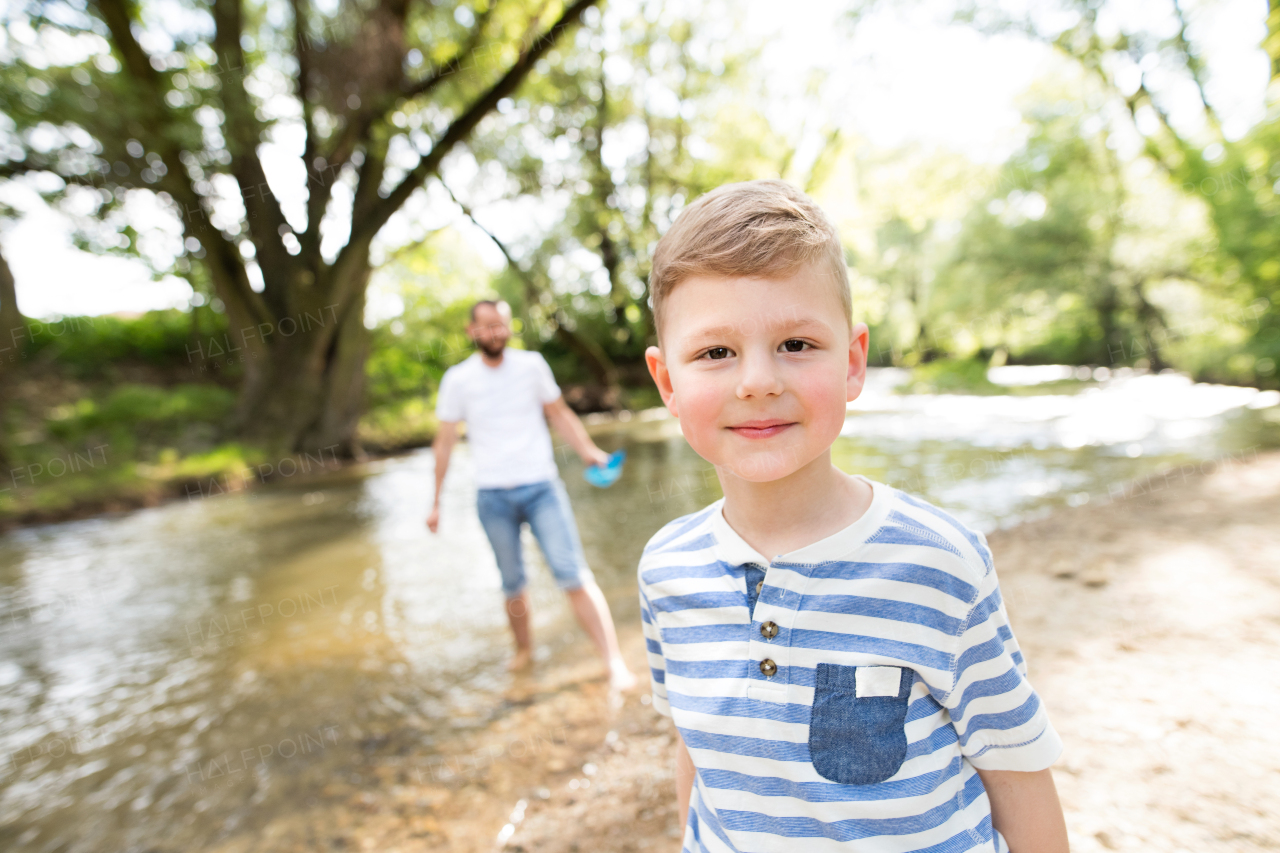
x=369 y=181
x=436 y=77
x=454 y=65
x=354 y=133
x=241 y=298
x=357 y=129
x=14 y=168
x=319 y=180
x=604 y=188
x=462 y=126
x=1194 y=66
x=244 y=132
x=592 y=353
x=531 y=290
x=302 y=53
x=1155 y=149
x=118 y=15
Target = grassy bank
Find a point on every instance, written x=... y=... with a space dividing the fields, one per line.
x=79 y=445
x=108 y=413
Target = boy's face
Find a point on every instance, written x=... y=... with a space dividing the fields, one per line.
x=758 y=370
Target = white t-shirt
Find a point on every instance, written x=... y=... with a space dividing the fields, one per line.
x=503 y=409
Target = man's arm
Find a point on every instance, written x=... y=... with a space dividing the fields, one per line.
x=440 y=449
x=1025 y=808
x=685 y=771
x=566 y=422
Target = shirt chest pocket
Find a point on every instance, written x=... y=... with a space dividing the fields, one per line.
x=857 y=733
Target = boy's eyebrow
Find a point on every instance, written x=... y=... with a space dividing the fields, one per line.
x=736 y=328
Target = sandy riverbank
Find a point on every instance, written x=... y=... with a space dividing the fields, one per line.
x=1152 y=625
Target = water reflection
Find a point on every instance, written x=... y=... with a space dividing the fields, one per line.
x=997 y=460
x=177 y=675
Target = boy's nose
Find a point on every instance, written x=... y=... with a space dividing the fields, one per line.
x=759 y=376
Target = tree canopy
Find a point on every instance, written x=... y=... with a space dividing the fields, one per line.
x=281 y=139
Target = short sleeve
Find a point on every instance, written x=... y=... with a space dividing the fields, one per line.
x=1001 y=722
x=449 y=399
x=548 y=390
x=653 y=647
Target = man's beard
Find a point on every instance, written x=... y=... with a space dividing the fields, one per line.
x=492 y=350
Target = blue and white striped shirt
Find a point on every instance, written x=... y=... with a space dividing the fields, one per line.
x=850 y=709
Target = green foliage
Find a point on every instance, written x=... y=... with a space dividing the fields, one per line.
x=1141 y=71
x=134 y=418
x=125 y=445
x=186 y=108
x=88 y=345
x=144 y=408
x=151 y=99
x=399 y=425
x=642 y=397
x=1066 y=254
x=678 y=122
x=437 y=281
x=951 y=376
x=1052 y=230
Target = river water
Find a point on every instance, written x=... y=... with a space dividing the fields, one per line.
x=169 y=678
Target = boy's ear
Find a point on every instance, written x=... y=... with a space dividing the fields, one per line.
x=657 y=364
x=857 y=376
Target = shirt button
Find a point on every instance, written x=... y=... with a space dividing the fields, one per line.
x=759 y=586
x=768 y=668
x=769 y=630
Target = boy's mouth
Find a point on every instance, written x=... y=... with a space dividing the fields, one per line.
x=760 y=428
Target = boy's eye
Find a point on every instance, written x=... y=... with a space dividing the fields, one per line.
x=717 y=353
x=794 y=345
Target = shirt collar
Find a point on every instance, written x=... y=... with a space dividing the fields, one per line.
x=734 y=550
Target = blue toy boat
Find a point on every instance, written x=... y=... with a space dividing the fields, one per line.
x=606 y=475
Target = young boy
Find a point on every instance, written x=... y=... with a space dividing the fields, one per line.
x=835 y=653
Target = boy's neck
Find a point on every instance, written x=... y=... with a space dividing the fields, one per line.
x=808 y=505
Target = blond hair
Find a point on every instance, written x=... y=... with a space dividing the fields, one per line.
x=753 y=228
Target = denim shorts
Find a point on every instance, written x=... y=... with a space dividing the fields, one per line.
x=545 y=506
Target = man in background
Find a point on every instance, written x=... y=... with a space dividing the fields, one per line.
x=507 y=396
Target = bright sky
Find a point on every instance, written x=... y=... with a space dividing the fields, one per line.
x=903 y=76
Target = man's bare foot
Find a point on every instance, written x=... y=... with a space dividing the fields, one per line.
x=621 y=679
x=523 y=659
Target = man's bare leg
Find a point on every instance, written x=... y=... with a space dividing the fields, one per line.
x=592 y=610
x=518 y=616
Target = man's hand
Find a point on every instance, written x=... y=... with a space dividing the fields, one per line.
x=433 y=519
x=567 y=423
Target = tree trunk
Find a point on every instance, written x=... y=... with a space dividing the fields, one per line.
x=1154 y=330
x=1105 y=306
x=13 y=339
x=306 y=392
x=344 y=381
x=592 y=354
x=919 y=300
x=13 y=334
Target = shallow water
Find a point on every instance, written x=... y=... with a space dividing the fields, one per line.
x=173 y=676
